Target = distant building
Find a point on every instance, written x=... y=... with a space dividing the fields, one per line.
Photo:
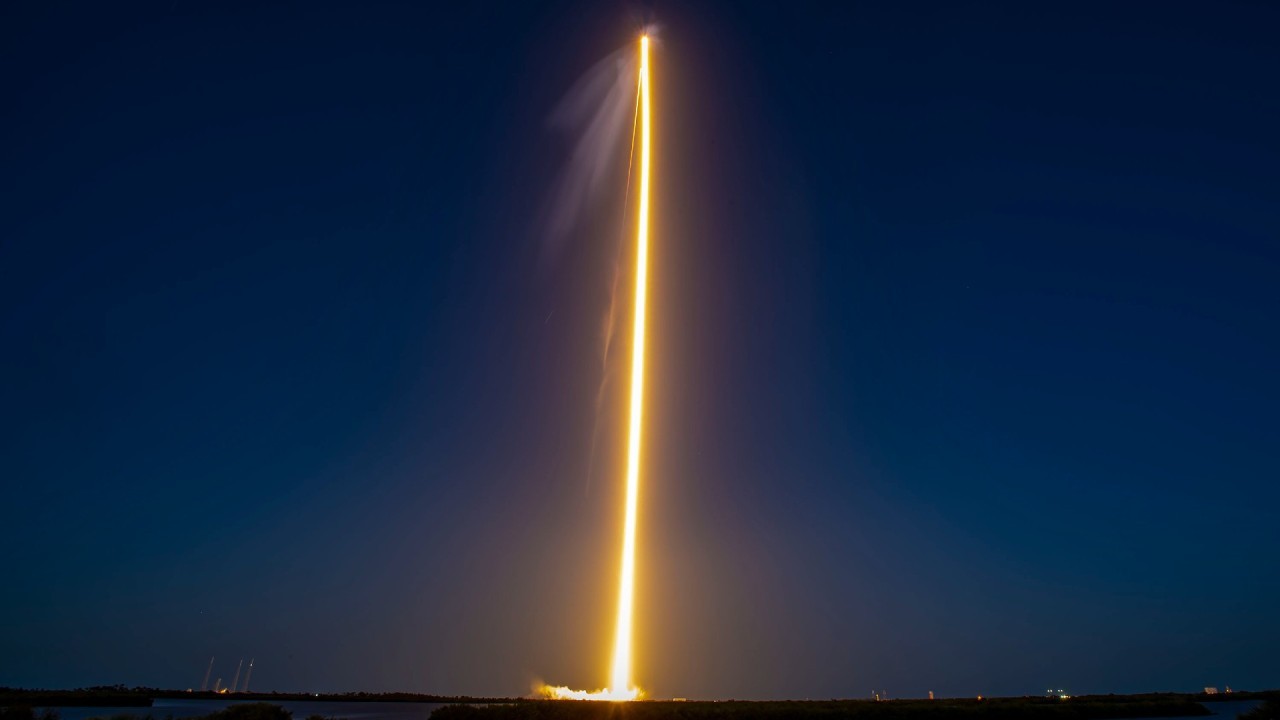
x=1211 y=691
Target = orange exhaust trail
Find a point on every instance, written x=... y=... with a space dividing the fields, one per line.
x=621 y=677
x=620 y=687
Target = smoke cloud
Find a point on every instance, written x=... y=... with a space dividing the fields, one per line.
x=596 y=111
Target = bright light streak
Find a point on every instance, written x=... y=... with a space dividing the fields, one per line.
x=620 y=678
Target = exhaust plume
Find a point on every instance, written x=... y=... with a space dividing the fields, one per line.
x=595 y=111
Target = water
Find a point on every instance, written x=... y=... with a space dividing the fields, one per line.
x=301 y=709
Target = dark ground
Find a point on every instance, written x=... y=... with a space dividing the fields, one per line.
x=1088 y=708
x=1091 y=707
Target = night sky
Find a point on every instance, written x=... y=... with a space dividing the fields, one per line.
x=963 y=352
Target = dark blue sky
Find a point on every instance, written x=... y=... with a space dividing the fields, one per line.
x=963 y=353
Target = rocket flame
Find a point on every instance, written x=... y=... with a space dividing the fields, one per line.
x=620 y=687
x=626 y=587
